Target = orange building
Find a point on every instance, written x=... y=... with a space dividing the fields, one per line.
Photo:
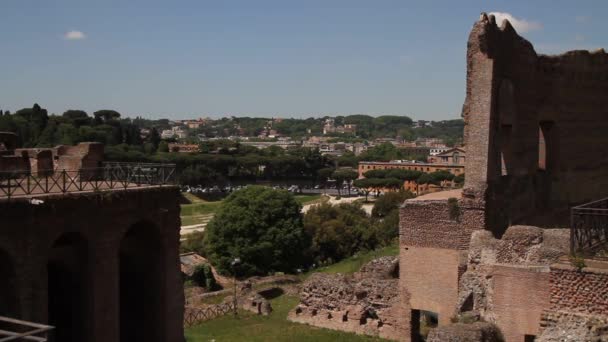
x=412 y=186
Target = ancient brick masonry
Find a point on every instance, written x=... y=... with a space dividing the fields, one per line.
x=363 y=303
x=529 y=119
x=514 y=97
x=97 y=266
x=584 y=291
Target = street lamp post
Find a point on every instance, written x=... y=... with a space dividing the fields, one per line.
x=234 y=263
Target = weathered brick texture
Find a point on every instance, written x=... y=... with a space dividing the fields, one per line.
x=142 y=224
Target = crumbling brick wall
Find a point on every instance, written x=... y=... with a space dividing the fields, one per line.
x=513 y=94
x=584 y=291
x=363 y=303
x=579 y=303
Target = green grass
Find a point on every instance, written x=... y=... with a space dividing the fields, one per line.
x=304 y=199
x=354 y=263
x=274 y=327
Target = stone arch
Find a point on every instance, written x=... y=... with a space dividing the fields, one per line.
x=141 y=284
x=9 y=302
x=68 y=284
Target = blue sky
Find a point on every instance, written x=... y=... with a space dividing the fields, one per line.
x=183 y=59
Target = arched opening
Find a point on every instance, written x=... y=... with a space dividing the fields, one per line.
x=67 y=285
x=141 y=293
x=8 y=288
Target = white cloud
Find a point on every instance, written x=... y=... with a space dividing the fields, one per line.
x=74 y=35
x=519 y=24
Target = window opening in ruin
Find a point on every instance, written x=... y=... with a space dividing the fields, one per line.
x=529 y=338
x=422 y=321
x=8 y=289
x=141 y=294
x=542 y=150
x=505 y=149
x=67 y=286
x=546 y=146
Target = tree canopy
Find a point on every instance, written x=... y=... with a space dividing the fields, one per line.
x=261 y=226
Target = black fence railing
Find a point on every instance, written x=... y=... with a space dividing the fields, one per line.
x=589 y=229
x=110 y=176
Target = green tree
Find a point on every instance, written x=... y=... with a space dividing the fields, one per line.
x=163 y=146
x=203 y=277
x=344 y=176
x=261 y=226
x=154 y=138
x=77 y=117
x=105 y=116
x=338 y=231
x=389 y=202
x=364 y=185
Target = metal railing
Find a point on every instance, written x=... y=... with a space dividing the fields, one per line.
x=589 y=228
x=194 y=316
x=110 y=176
x=23 y=330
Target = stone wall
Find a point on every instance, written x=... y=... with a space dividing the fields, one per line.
x=429 y=223
x=513 y=94
x=92 y=237
x=507 y=281
x=363 y=303
x=477 y=332
x=584 y=291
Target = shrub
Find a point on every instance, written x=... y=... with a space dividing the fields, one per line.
x=203 y=277
x=578 y=261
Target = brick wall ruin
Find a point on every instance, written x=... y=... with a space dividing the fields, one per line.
x=579 y=303
x=98 y=266
x=514 y=97
x=44 y=160
x=363 y=303
x=530 y=123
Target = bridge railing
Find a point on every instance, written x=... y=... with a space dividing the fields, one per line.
x=110 y=176
x=589 y=228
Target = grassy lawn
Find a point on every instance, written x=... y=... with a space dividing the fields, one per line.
x=354 y=263
x=275 y=327
x=304 y=199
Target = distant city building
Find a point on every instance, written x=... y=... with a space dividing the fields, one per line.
x=430 y=142
x=330 y=127
x=453 y=156
x=436 y=150
x=456 y=170
x=183 y=148
x=174 y=132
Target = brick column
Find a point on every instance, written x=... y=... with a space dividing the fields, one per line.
x=105 y=304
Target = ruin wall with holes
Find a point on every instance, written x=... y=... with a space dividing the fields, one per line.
x=110 y=258
x=513 y=97
x=366 y=302
x=532 y=123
